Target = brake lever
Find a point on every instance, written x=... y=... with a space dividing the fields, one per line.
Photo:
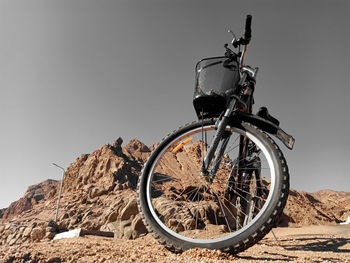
x=234 y=36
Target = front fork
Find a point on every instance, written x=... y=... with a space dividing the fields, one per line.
x=221 y=135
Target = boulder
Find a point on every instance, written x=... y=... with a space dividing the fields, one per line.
x=129 y=210
x=37 y=234
x=124 y=220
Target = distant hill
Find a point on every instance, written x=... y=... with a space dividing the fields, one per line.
x=34 y=194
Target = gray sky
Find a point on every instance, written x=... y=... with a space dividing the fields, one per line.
x=75 y=75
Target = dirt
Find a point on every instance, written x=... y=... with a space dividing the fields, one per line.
x=303 y=244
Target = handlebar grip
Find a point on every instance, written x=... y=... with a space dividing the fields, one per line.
x=248 y=29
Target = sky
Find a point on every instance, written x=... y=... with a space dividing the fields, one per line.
x=77 y=74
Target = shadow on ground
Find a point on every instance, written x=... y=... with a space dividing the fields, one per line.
x=321 y=245
x=266 y=258
x=317 y=244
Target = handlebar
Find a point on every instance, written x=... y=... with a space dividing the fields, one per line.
x=248 y=29
x=247 y=34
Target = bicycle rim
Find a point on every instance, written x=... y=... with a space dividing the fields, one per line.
x=185 y=206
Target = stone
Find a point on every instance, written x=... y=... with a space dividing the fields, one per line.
x=13 y=241
x=86 y=215
x=64 y=216
x=113 y=216
x=129 y=210
x=50 y=235
x=123 y=219
x=127 y=232
x=109 y=227
x=10 y=237
x=138 y=226
x=71 y=213
x=52 y=223
x=21 y=230
x=42 y=224
x=51 y=229
x=84 y=200
x=189 y=224
x=37 y=234
x=63 y=225
x=95 y=192
x=27 y=231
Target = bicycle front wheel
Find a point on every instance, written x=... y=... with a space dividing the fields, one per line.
x=183 y=209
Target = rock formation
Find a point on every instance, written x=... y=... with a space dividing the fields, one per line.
x=34 y=194
x=99 y=194
x=322 y=207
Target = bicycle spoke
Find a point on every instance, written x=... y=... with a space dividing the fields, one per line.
x=218 y=208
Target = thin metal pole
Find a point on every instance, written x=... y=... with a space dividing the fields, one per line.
x=59 y=195
x=273 y=233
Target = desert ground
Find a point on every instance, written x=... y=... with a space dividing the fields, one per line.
x=302 y=244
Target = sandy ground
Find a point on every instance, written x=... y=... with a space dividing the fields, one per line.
x=305 y=244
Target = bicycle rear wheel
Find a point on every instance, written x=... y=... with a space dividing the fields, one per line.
x=183 y=210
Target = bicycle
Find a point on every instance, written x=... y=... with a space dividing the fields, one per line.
x=220 y=182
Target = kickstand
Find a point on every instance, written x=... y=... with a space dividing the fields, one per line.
x=273 y=233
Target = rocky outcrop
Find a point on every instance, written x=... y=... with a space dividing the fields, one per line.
x=108 y=168
x=322 y=207
x=35 y=193
x=123 y=219
x=98 y=194
x=103 y=185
